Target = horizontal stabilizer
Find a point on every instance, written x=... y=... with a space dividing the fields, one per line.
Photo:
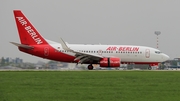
x=23 y=46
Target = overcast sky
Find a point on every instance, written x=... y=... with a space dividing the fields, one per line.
x=123 y=22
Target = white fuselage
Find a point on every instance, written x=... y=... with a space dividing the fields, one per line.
x=127 y=53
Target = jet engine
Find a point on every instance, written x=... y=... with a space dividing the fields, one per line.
x=110 y=62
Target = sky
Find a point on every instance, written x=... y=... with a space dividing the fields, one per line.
x=121 y=22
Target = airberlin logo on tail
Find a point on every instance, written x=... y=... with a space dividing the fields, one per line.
x=128 y=48
x=29 y=30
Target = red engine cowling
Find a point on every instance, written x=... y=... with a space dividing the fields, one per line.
x=110 y=62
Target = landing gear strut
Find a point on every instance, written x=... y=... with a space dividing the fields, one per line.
x=150 y=68
x=90 y=67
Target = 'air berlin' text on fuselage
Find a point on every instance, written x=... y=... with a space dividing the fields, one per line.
x=113 y=48
x=29 y=30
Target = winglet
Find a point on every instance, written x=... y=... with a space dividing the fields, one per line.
x=64 y=46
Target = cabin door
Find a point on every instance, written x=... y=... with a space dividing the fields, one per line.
x=147 y=53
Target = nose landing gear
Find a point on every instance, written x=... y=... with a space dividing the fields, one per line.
x=149 y=68
x=153 y=65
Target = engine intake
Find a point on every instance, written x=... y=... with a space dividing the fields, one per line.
x=110 y=62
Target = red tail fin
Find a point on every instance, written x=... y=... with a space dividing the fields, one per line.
x=27 y=33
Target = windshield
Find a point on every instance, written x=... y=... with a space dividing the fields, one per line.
x=158 y=52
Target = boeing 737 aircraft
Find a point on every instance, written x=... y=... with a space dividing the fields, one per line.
x=105 y=55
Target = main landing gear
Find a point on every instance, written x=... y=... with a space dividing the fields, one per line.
x=90 y=67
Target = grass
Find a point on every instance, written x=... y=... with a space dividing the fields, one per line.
x=89 y=85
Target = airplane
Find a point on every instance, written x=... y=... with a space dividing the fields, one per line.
x=106 y=56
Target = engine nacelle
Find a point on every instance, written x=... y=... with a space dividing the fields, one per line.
x=110 y=62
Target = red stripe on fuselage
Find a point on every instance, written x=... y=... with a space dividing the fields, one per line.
x=150 y=63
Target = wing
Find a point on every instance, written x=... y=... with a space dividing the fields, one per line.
x=81 y=56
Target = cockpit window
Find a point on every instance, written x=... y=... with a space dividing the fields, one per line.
x=157 y=52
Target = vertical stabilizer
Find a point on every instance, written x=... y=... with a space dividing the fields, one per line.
x=27 y=33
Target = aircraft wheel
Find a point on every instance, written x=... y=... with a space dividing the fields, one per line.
x=90 y=67
x=150 y=68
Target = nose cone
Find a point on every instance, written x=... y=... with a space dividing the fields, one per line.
x=165 y=57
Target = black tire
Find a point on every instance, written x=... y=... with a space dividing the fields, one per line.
x=90 y=67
